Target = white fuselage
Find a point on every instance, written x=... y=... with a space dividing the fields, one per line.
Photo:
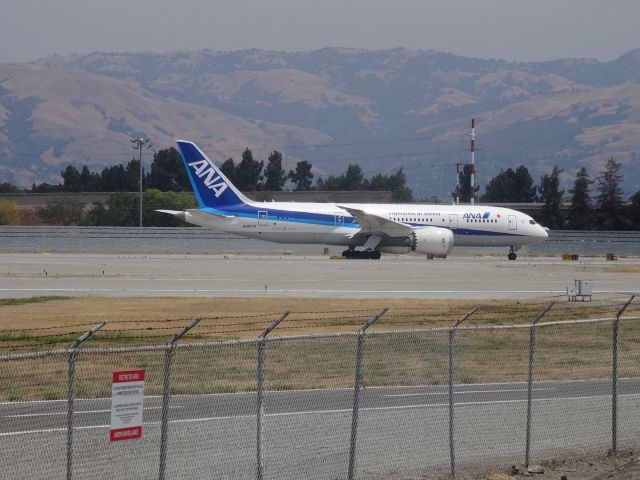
x=327 y=223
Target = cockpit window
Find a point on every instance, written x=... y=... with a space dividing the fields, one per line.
x=532 y=222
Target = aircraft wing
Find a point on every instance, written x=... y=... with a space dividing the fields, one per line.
x=377 y=225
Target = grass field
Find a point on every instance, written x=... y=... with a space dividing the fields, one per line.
x=565 y=351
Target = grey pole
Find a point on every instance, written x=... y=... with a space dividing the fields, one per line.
x=166 y=384
x=451 y=332
x=356 y=391
x=71 y=387
x=532 y=346
x=138 y=143
x=262 y=344
x=614 y=377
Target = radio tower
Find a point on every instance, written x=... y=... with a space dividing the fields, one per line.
x=472 y=167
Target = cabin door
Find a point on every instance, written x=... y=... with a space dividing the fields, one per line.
x=263 y=217
x=513 y=223
x=453 y=221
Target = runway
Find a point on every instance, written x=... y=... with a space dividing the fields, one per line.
x=23 y=418
x=458 y=277
x=402 y=428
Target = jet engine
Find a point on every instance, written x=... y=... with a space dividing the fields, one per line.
x=432 y=241
x=427 y=240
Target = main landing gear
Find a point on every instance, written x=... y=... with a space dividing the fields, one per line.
x=512 y=253
x=362 y=254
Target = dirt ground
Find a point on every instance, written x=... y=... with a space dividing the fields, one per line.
x=624 y=466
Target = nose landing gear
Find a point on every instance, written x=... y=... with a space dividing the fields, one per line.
x=512 y=253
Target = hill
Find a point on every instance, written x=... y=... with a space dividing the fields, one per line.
x=382 y=109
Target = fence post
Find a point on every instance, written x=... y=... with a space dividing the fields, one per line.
x=532 y=347
x=262 y=344
x=614 y=377
x=451 y=332
x=356 y=391
x=71 y=388
x=166 y=384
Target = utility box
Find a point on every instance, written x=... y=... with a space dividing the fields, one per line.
x=571 y=294
x=582 y=289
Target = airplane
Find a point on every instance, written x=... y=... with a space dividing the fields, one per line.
x=376 y=228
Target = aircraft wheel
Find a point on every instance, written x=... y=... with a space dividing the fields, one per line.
x=375 y=255
x=512 y=256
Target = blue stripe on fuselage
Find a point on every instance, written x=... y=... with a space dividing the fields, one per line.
x=251 y=212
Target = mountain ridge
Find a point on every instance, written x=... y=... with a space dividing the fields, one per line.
x=570 y=112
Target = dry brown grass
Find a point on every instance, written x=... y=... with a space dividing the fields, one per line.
x=573 y=351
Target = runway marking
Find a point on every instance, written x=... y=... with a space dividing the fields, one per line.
x=272 y=290
x=323 y=412
x=459 y=392
x=22 y=415
x=343 y=389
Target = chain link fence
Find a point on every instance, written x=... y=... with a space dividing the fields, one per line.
x=367 y=404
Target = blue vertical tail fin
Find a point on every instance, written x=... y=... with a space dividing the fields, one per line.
x=210 y=186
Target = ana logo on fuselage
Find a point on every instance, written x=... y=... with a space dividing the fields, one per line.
x=476 y=216
x=212 y=180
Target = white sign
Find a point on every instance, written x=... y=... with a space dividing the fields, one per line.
x=127 y=398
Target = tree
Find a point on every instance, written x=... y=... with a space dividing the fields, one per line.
x=551 y=196
x=132 y=173
x=302 y=176
x=580 y=215
x=634 y=210
x=9 y=213
x=352 y=179
x=248 y=173
x=121 y=209
x=45 y=188
x=229 y=170
x=525 y=190
x=71 y=179
x=89 y=181
x=156 y=200
x=274 y=173
x=397 y=183
x=611 y=210
x=7 y=187
x=511 y=186
x=167 y=172
x=114 y=179
x=60 y=212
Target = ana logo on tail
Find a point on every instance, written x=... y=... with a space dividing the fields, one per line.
x=212 y=180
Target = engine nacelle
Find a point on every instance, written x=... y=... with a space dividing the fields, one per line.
x=432 y=241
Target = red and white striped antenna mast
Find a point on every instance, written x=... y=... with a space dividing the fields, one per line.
x=472 y=149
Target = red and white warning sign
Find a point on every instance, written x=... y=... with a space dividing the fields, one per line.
x=127 y=398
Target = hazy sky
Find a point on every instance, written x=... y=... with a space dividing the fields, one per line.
x=510 y=29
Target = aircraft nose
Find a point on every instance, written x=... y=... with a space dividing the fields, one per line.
x=543 y=232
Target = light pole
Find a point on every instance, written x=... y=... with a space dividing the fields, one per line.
x=138 y=143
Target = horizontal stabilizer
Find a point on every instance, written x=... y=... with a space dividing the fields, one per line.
x=175 y=213
x=185 y=214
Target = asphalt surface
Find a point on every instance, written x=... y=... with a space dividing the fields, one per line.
x=25 y=275
x=306 y=433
